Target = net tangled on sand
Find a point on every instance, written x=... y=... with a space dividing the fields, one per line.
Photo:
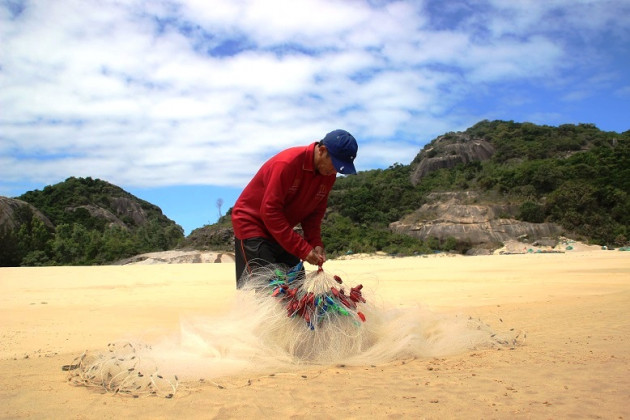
x=122 y=370
x=282 y=319
x=309 y=318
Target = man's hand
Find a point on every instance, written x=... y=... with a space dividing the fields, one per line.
x=321 y=252
x=317 y=256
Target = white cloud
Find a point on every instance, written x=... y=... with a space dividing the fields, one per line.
x=130 y=91
x=524 y=16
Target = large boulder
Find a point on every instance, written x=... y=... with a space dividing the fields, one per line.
x=100 y=213
x=448 y=151
x=125 y=206
x=462 y=217
x=14 y=212
x=179 y=257
x=123 y=212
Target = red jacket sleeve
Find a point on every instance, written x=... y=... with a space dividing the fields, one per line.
x=272 y=211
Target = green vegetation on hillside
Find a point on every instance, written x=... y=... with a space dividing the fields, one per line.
x=94 y=223
x=575 y=175
x=362 y=206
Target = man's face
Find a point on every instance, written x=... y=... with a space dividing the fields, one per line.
x=324 y=164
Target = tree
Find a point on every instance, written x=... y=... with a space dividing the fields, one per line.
x=10 y=255
x=219 y=204
x=531 y=212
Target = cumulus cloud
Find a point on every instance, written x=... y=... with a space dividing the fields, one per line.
x=176 y=92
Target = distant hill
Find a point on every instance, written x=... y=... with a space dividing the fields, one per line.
x=466 y=192
x=217 y=237
x=471 y=191
x=81 y=221
x=495 y=181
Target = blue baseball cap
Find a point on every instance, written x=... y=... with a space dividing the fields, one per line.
x=342 y=148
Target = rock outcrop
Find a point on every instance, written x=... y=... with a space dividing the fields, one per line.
x=460 y=216
x=122 y=212
x=179 y=257
x=448 y=151
x=211 y=237
x=13 y=213
x=100 y=213
x=125 y=206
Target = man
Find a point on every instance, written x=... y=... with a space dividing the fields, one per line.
x=290 y=188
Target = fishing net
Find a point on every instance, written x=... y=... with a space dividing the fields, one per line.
x=312 y=317
x=122 y=369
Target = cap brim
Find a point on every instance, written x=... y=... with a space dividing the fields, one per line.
x=346 y=168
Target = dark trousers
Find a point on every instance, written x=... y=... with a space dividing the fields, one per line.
x=259 y=252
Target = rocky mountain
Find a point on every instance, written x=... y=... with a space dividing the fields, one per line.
x=496 y=181
x=81 y=221
x=80 y=199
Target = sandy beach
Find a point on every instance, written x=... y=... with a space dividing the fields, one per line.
x=573 y=308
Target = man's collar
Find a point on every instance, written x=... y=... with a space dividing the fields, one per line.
x=309 y=163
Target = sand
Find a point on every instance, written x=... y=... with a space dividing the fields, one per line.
x=574 y=363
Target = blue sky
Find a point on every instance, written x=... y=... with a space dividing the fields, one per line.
x=180 y=102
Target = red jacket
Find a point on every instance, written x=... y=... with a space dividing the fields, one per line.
x=286 y=191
